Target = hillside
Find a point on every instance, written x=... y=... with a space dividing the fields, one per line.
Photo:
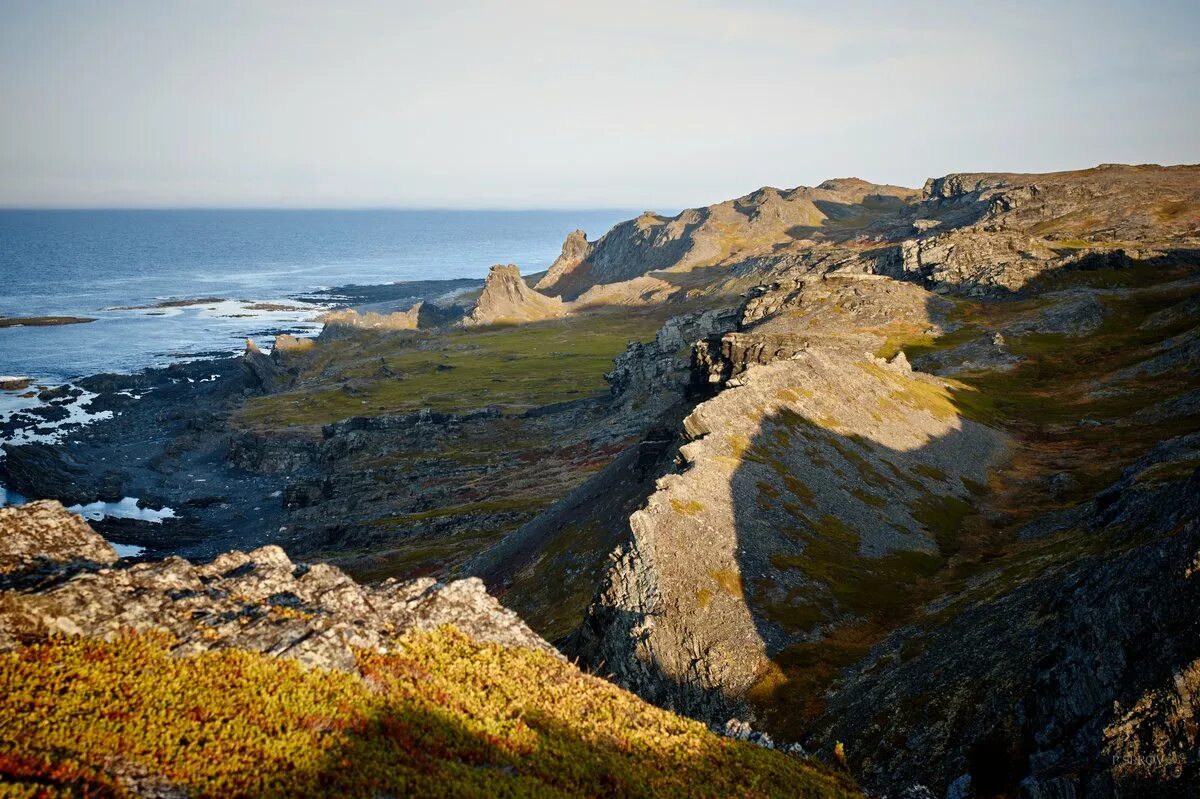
x=253 y=676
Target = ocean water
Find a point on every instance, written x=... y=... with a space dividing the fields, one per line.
x=90 y=263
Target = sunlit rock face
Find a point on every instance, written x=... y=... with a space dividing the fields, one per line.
x=809 y=468
x=506 y=299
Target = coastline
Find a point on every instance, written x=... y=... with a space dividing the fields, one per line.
x=56 y=416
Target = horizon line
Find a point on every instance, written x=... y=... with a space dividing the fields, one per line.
x=440 y=209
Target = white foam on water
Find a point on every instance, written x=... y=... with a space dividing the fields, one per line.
x=52 y=432
x=127 y=508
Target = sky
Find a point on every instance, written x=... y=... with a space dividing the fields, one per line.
x=655 y=104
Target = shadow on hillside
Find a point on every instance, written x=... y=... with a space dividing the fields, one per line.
x=821 y=594
x=545 y=742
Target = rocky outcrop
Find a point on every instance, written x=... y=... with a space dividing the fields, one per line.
x=820 y=461
x=981 y=262
x=650 y=377
x=43 y=533
x=575 y=249
x=399 y=320
x=785 y=317
x=263 y=372
x=259 y=601
x=506 y=299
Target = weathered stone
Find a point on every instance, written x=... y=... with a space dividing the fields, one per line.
x=259 y=600
x=506 y=299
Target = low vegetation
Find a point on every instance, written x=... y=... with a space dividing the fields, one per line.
x=440 y=717
x=514 y=367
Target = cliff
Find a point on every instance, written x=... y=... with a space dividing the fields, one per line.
x=956 y=536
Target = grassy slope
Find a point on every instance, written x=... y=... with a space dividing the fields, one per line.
x=1061 y=381
x=517 y=367
x=440 y=717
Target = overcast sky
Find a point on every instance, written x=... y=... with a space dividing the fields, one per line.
x=515 y=104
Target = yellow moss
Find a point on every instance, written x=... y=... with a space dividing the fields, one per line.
x=688 y=507
x=729 y=580
x=794 y=394
x=440 y=717
x=738 y=444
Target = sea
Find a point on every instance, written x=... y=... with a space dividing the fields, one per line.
x=120 y=266
x=258 y=271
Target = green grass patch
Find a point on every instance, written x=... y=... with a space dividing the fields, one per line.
x=516 y=367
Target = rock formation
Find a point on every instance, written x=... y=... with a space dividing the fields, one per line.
x=399 y=320
x=259 y=601
x=507 y=299
x=574 y=250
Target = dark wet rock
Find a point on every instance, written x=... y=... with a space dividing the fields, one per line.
x=46 y=470
x=57 y=393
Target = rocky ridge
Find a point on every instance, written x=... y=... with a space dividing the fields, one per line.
x=254 y=676
x=764 y=570
x=977 y=234
x=259 y=601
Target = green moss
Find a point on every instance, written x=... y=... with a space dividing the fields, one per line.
x=943 y=517
x=799 y=490
x=932 y=472
x=441 y=717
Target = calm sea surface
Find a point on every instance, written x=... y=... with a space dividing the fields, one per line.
x=85 y=263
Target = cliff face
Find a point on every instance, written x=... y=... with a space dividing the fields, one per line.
x=506 y=299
